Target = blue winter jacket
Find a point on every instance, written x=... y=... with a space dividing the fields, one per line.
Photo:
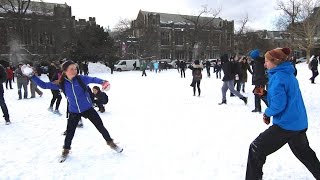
x=78 y=99
x=285 y=100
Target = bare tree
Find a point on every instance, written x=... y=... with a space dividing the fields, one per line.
x=198 y=24
x=301 y=19
x=240 y=36
x=19 y=7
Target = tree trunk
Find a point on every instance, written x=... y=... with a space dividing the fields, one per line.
x=308 y=52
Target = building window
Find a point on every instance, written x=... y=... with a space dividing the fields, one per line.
x=165 y=38
x=165 y=54
x=3 y=37
x=180 y=55
x=216 y=40
x=26 y=36
x=179 y=37
x=229 y=39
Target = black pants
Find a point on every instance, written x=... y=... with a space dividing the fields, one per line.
x=73 y=120
x=183 y=72
x=56 y=97
x=315 y=73
x=10 y=83
x=194 y=84
x=3 y=105
x=208 y=71
x=144 y=72
x=273 y=139
x=218 y=74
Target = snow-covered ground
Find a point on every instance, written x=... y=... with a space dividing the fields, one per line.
x=167 y=133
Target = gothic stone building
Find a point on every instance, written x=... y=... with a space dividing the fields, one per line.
x=38 y=35
x=174 y=36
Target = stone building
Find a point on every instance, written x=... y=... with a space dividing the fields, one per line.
x=174 y=36
x=40 y=34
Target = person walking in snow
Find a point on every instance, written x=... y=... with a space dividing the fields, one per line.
x=290 y=121
x=259 y=79
x=156 y=66
x=196 y=76
x=33 y=86
x=143 y=68
x=313 y=66
x=80 y=105
x=228 y=80
x=3 y=105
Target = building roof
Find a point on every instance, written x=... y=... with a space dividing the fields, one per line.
x=42 y=8
x=178 y=18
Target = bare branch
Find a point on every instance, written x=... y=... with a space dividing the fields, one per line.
x=244 y=22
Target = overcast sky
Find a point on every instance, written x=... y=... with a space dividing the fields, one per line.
x=262 y=13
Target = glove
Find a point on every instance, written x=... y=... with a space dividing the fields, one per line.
x=105 y=86
x=259 y=91
x=266 y=119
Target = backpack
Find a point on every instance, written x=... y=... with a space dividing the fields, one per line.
x=197 y=75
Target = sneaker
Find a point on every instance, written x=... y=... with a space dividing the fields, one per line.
x=8 y=122
x=57 y=112
x=115 y=147
x=50 y=109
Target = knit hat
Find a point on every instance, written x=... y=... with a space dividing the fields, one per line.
x=254 y=54
x=66 y=64
x=278 y=55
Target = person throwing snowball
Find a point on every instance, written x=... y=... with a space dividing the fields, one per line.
x=80 y=105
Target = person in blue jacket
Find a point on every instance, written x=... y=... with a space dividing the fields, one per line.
x=79 y=102
x=290 y=121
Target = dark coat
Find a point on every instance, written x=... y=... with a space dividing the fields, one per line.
x=244 y=67
x=228 y=70
x=314 y=64
x=196 y=71
x=259 y=74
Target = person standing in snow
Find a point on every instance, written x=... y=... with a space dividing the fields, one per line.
x=56 y=94
x=143 y=68
x=4 y=108
x=22 y=81
x=259 y=79
x=313 y=64
x=208 y=66
x=196 y=76
x=85 y=68
x=217 y=69
x=80 y=105
x=290 y=121
x=9 y=77
x=156 y=66
x=244 y=67
x=228 y=80
x=33 y=86
x=183 y=69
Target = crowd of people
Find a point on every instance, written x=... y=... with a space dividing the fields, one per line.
x=273 y=76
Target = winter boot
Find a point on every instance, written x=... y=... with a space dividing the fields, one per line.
x=65 y=152
x=256 y=110
x=114 y=146
x=57 y=112
x=223 y=102
x=101 y=109
x=50 y=109
x=244 y=99
x=8 y=122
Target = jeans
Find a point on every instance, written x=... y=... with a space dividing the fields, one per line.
x=273 y=139
x=229 y=85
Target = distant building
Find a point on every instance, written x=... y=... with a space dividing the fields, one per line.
x=170 y=36
x=40 y=34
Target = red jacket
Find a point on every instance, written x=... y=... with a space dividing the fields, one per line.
x=9 y=73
